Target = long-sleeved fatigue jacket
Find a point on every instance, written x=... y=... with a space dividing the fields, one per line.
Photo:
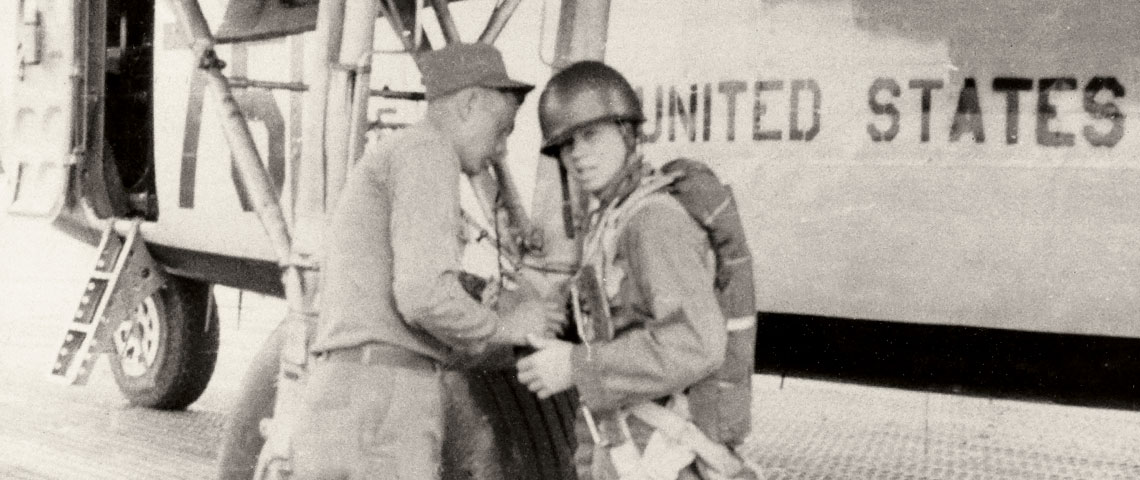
x=393 y=251
x=667 y=332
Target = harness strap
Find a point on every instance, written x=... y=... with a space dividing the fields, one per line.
x=668 y=423
x=708 y=220
x=611 y=221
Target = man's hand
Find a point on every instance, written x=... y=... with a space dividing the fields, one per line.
x=530 y=317
x=547 y=371
x=555 y=313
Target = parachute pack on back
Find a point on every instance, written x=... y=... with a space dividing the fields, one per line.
x=726 y=397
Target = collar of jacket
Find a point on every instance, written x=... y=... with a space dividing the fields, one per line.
x=624 y=183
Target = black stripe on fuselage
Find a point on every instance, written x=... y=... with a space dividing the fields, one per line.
x=1061 y=368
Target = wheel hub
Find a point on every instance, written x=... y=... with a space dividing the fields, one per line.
x=137 y=339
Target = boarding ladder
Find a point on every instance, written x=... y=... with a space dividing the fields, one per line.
x=124 y=275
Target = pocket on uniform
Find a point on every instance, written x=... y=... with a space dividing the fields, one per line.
x=406 y=438
x=372 y=398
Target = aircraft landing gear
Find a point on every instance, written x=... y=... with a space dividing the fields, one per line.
x=160 y=330
x=163 y=353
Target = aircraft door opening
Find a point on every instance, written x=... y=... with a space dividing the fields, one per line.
x=128 y=150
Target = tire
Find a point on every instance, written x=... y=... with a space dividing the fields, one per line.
x=164 y=354
x=242 y=442
x=496 y=429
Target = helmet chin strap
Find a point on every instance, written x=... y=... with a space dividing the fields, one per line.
x=626 y=179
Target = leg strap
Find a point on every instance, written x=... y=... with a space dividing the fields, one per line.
x=671 y=425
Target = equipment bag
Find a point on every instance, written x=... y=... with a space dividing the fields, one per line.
x=722 y=404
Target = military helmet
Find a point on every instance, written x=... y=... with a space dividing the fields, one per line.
x=581 y=94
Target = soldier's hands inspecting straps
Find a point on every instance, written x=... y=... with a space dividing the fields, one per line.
x=531 y=317
x=547 y=372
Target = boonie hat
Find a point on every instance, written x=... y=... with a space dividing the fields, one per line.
x=461 y=65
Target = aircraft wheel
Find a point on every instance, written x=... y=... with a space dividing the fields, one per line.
x=242 y=442
x=164 y=352
x=498 y=429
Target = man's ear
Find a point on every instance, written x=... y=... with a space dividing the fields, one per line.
x=467 y=102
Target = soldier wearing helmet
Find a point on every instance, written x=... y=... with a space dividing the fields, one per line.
x=643 y=301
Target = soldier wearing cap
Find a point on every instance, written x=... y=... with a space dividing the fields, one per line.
x=392 y=307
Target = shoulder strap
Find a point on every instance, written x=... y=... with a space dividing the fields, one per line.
x=614 y=219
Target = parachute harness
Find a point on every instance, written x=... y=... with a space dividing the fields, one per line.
x=675 y=442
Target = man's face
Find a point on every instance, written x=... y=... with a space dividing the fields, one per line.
x=489 y=122
x=595 y=153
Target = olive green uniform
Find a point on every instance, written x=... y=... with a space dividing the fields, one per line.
x=666 y=331
x=392 y=309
